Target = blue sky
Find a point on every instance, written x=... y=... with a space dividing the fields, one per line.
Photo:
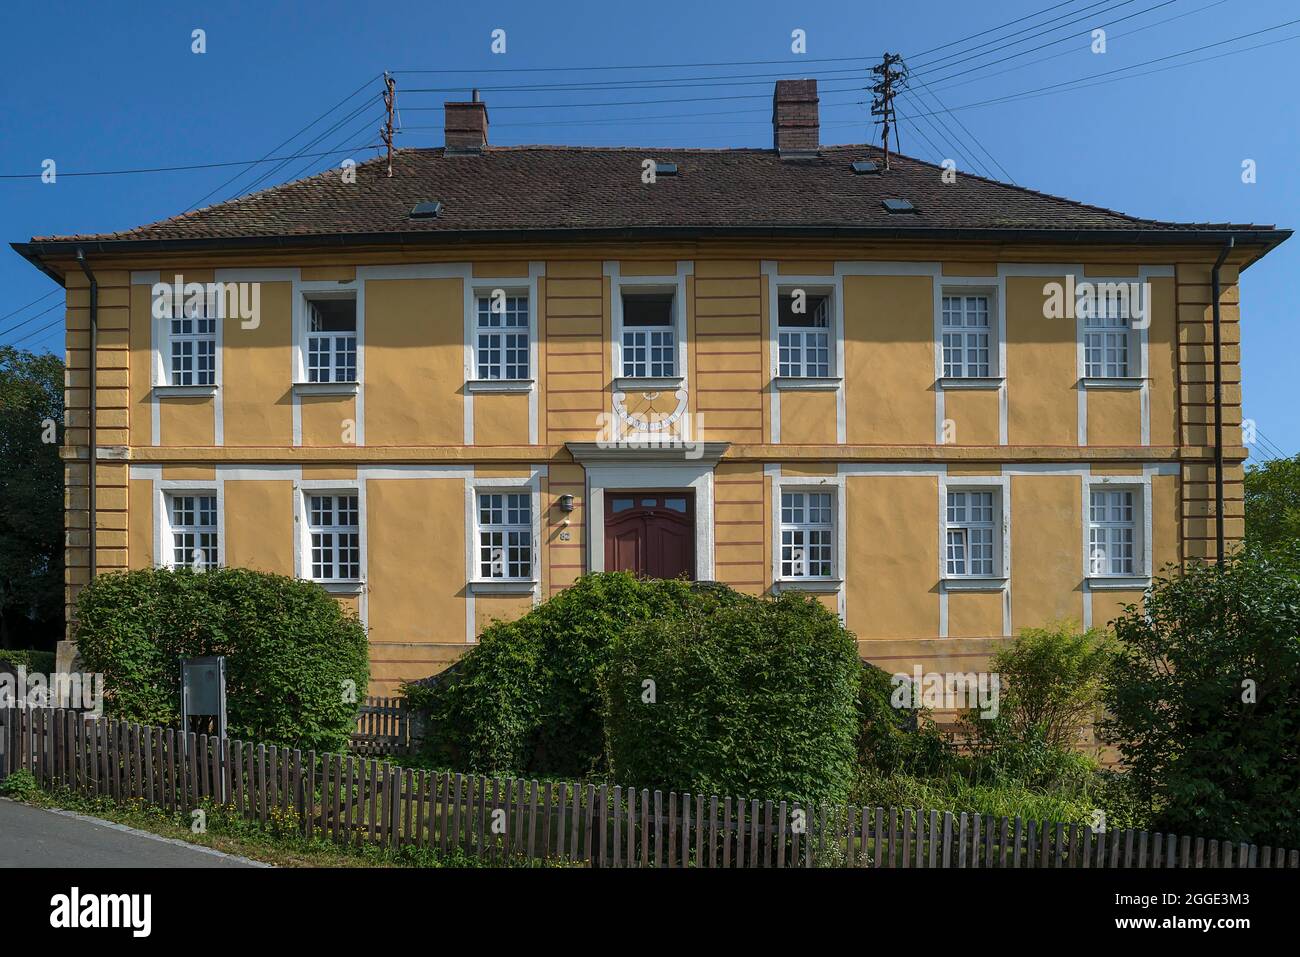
x=99 y=86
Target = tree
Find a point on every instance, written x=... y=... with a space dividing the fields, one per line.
x=1273 y=502
x=31 y=499
x=1204 y=698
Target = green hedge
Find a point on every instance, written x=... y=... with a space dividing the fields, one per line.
x=296 y=663
x=41 y=662
x=525 y=698
x=756 y=698
x=1204 y=698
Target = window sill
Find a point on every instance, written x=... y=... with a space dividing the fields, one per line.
x=661 y=384
x=499 y=385
x=974 y=583
x=972 y=382
x=204 y=391
x=1118 y=582
x=503 y=586
x=1131 y=382
x=326 y=388
x=807 y=383
x=343 y=587
x=824 y=586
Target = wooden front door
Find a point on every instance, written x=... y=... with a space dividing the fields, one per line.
x=650 y=533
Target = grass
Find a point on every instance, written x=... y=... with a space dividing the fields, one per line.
x=277 y=842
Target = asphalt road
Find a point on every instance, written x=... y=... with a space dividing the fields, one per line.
x=34 y=837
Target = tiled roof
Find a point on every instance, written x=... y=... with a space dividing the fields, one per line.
x=521 y=190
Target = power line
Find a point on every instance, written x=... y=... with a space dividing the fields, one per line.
x=1041 y=46
x=28 y=306
x=16 y=326
x=1093 y=79
x=36 y=332
x=160 y=169
x=1053 y=56
x=969 y=53
x=956 y=119
x=1011 y=23
x=345 y=99
x=301 y=154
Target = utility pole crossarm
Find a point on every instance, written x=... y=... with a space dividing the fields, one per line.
x=891 y=77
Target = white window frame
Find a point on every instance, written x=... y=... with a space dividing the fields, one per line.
x=834 y=323
x=996 y=334
x=1141 y=491
x=303 y=491
x=478 y=583
x=165 y=530
x=502 y=384
x=830 y=527
x=815 y=583
x=633 y=285
x=164 y=382
x=505 y=527
x=314 y=290
x=1000 y=486
x=1135 y=377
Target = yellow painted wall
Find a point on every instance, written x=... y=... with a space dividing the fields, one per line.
x=1046 y=550
x=416 y=571
x=729 y=350
x=888 y=359
x=257 y=369
x=976 y=415
x=1114 y=417
x=186 y=420
x=1042 y=368
x=892 y=578
x=141 y=521
x=260 y=525
x=328 y=419
x=501 y=418
x=808 y=418
x=415 y=362
x=975 y=614
x=741 y=510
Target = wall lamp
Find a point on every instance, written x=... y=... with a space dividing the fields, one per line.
x=566 y=503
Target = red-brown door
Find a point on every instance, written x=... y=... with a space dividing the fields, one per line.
x=650 y=533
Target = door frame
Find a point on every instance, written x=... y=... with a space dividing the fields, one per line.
x=698 y=478
x=685 y=492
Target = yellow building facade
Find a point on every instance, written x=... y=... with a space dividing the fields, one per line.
x=447 y=433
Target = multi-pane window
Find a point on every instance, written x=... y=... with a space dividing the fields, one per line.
x=966 y=337
x=192 y=332
x=649 y=342
x=1112 y=532
x=331 y=340
x=1107 y=340
x=193 y=520
x=803 y=336
x=505 y=534
x=970 y=532
x=807 y=534
x=502 y=337
x=334 y=525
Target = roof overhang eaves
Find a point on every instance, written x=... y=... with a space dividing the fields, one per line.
x=38 y=251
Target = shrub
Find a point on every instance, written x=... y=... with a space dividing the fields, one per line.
x=755 y=698
x=891 y=739
x=1050 y=686
x=41 y=662
x=21 y=785
x=525 y=697
x=290 y=650
x=1205 y=699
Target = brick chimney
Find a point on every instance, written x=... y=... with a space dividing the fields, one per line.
x=465 y=126
x=796 y=130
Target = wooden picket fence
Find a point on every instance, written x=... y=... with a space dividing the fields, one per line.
x=351 y=799
x=383 y=727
